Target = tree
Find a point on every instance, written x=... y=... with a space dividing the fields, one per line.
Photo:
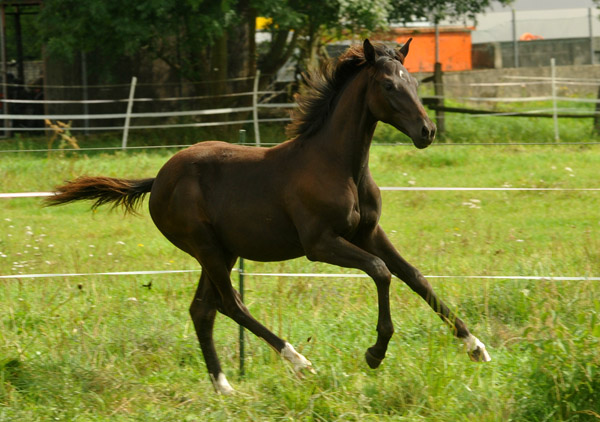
x=179 y=32
x=214 y=39
x=437 y=10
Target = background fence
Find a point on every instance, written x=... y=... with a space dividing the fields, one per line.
x=552 y=92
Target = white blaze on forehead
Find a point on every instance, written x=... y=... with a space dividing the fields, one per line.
x=401 y=74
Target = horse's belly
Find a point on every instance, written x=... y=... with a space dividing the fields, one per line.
x=260 y=237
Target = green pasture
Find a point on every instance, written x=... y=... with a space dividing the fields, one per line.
x=122 y=348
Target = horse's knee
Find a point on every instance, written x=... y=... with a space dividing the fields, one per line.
x=380 y=273
x=203 y=311
x=234 y=308
x=385 y=329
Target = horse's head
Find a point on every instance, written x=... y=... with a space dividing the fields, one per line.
x=392 y=94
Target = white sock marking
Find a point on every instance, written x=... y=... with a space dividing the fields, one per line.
x=221 y=384
x=299 y=361
x=476 y=349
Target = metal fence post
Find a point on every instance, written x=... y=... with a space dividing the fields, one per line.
x=242 y=140
x=242 y=342
x=591 y=35
x=515 y=40
x=4 y=72
x=128 y=115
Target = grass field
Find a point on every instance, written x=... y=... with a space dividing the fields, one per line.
x=100 y=348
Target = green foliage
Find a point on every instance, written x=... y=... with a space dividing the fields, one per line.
x=436 y=10
x=115 y=29
x=185 y=33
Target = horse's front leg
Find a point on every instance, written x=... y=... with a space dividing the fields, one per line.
x=378 y=244
x=334 y=249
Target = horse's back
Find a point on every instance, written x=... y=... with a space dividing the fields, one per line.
x=234 y=191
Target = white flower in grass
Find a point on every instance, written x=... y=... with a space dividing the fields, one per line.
x=472 y=203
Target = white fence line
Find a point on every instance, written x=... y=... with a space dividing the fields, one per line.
x=139 y=100
x=307 y=275
x=9 y=195
x=519 y=80
x=254 y=108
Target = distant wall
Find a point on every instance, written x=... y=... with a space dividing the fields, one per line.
x=456 y=84
x=534 y=53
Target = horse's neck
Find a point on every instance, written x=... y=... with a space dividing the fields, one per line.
x=348 y=133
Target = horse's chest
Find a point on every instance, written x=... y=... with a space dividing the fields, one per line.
x=361 y=215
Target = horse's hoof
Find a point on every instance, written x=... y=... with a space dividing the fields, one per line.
x=299 y=362
x=372 y=360
x=476 y=349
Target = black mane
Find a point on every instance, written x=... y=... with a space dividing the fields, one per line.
x=322 y=87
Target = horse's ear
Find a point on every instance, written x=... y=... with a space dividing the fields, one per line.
x=403 y=52
x=369 y=51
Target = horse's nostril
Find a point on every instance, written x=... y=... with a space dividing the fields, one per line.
x=426 y=132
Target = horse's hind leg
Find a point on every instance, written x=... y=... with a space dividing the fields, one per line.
x=218 y=269
x=203 y=311
x=234 y=308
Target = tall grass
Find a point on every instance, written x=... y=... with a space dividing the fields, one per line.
x=100 y=348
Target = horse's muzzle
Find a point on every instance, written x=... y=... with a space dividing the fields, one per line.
x=427 y=135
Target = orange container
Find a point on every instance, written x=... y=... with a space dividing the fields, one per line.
x=454 y=47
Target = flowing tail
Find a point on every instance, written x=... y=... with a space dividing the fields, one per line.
x=121 y=192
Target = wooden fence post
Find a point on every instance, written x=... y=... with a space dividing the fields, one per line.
x=438 y=87
x=596 y=130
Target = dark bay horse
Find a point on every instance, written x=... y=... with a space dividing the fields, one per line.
x=312 y=195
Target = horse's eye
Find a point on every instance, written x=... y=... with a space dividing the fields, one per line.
x=388 y=85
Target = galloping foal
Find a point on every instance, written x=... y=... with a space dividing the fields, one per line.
x=312 y=195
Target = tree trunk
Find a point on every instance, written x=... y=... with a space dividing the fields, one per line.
x=242 y=48
x=218 y=67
